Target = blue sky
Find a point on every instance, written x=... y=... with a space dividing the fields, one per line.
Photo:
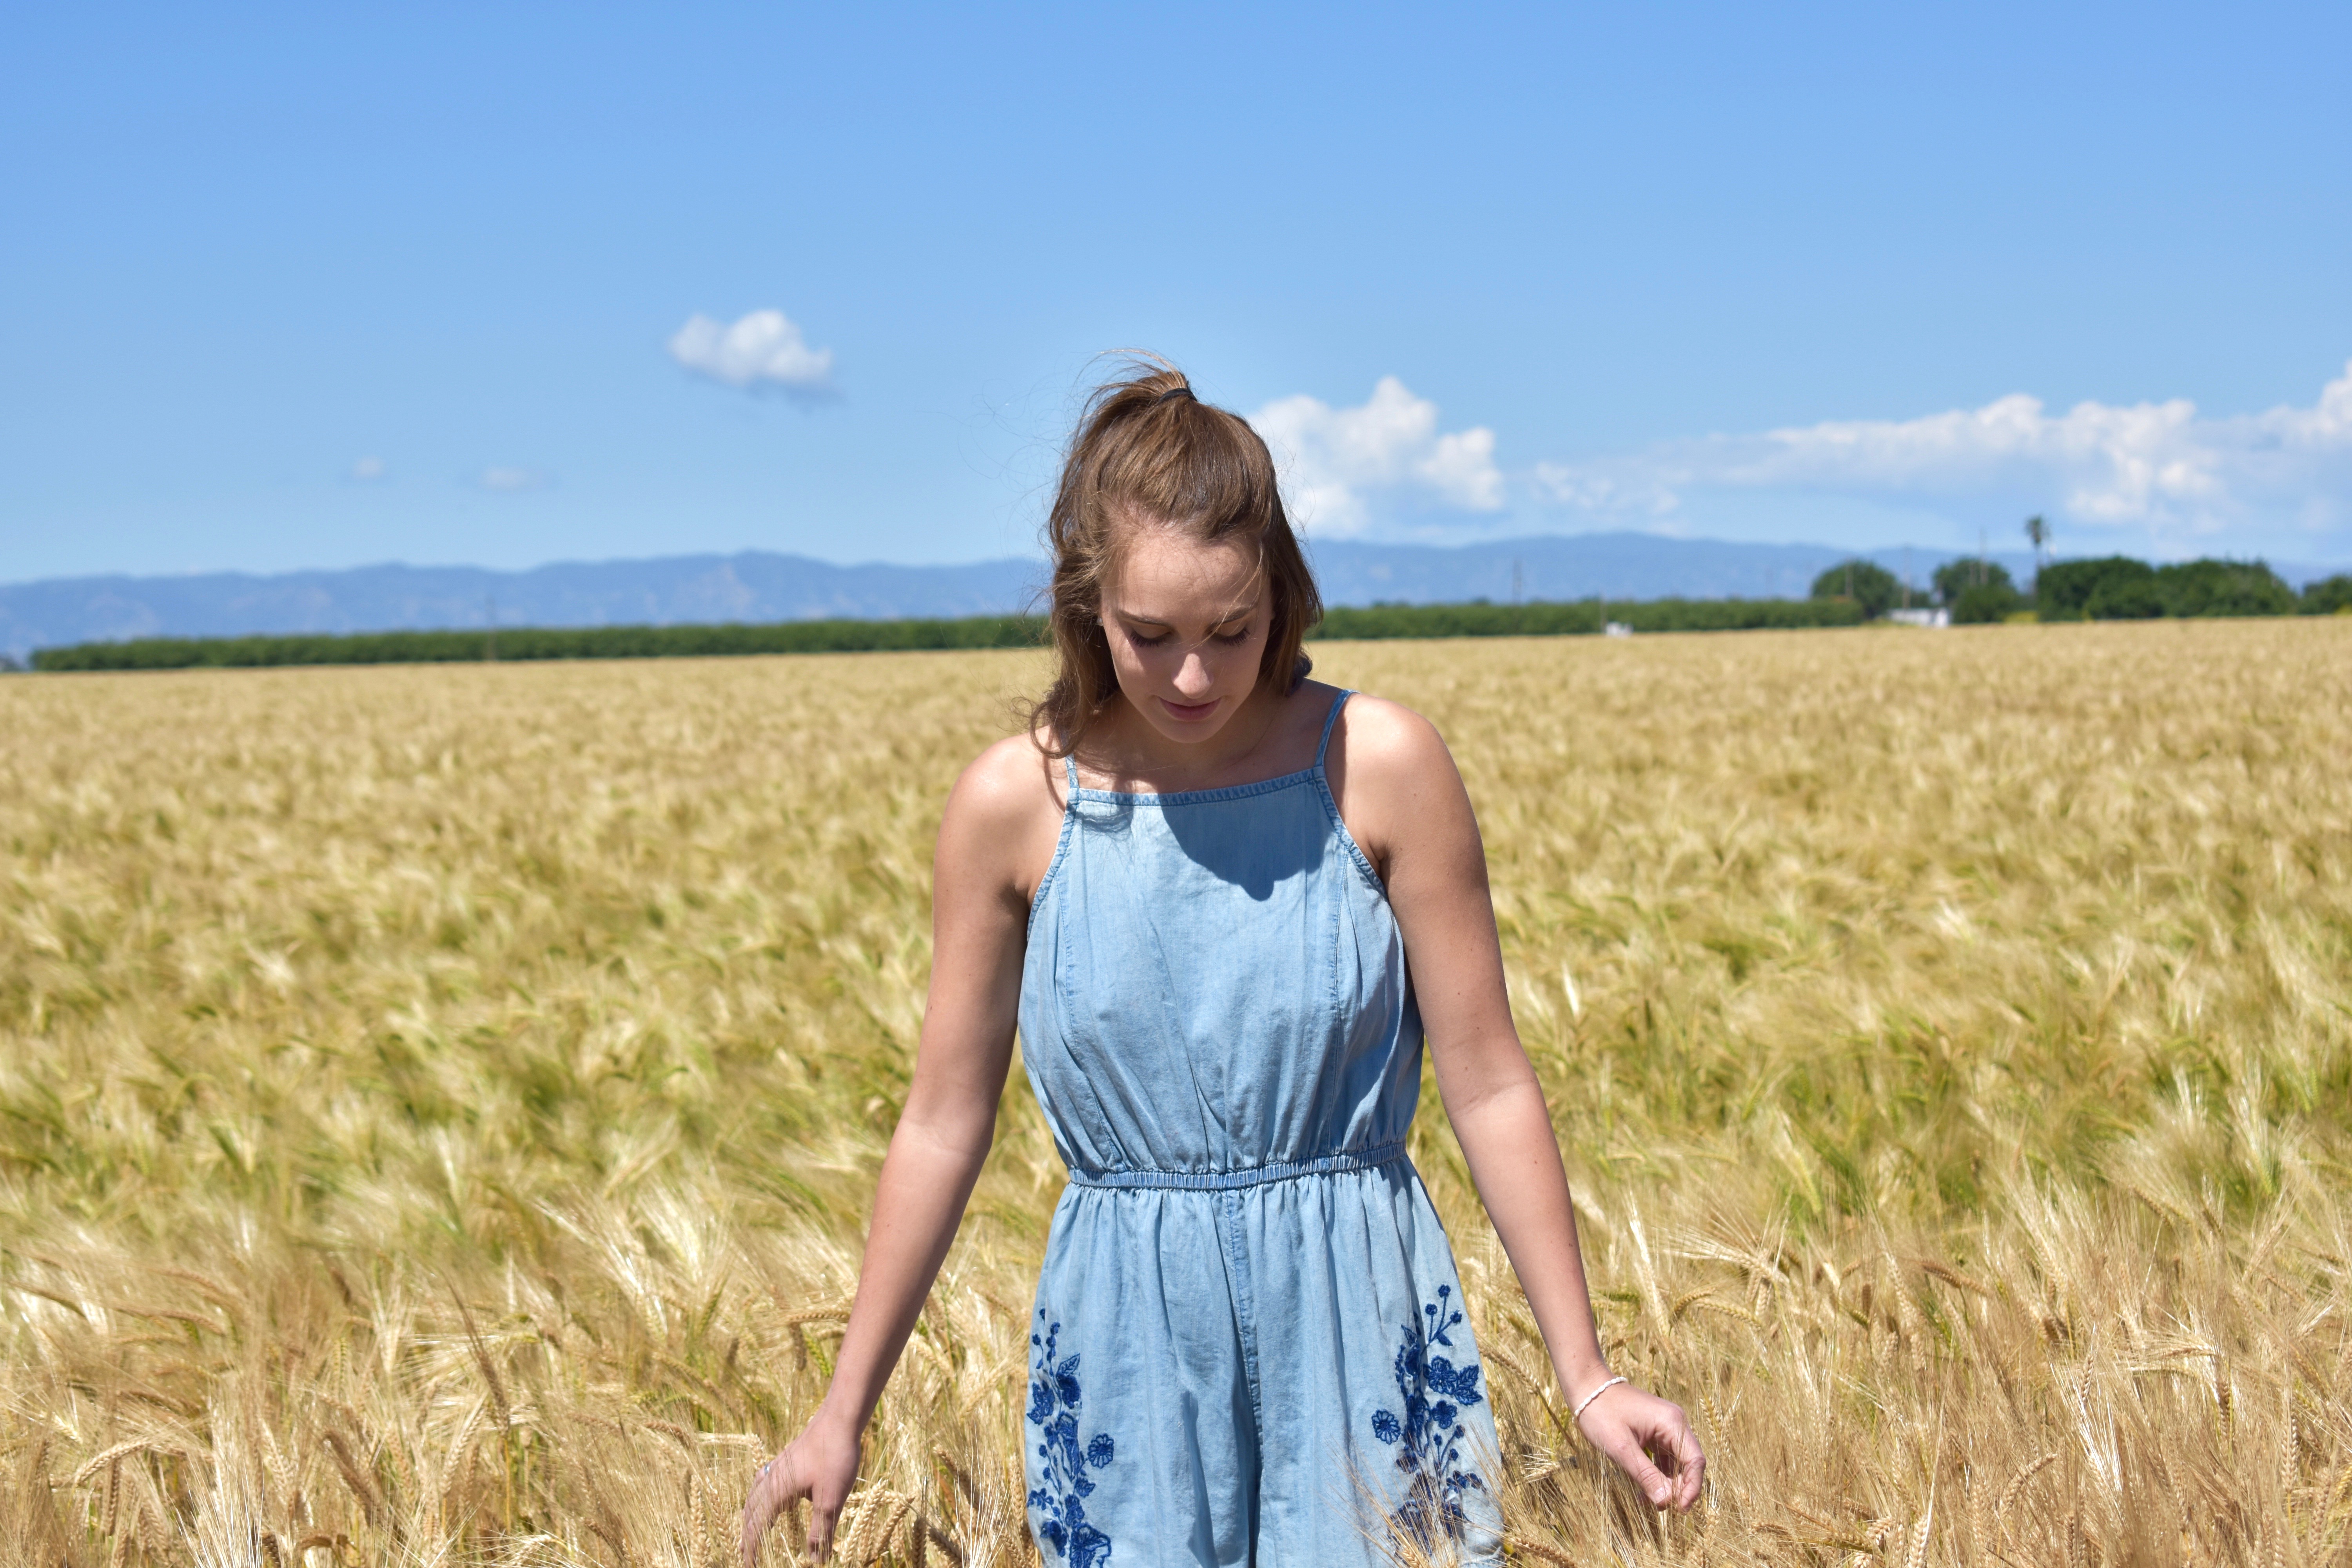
x=318 y=286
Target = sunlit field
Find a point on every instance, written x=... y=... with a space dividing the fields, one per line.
x=438 y=1105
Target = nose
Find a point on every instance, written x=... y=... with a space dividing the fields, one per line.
x=1192 y=677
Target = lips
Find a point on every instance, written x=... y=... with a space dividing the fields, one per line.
x=1188 y=713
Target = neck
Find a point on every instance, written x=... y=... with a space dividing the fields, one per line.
x=1137 y=750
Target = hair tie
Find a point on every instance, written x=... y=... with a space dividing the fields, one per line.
x=1179 y=390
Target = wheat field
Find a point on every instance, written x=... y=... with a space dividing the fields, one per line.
x=438 y=1105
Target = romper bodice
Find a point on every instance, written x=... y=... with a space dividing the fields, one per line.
x=1215 y=985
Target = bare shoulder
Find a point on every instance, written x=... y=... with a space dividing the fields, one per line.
x=1002 y=817
x=1011 y=775
x=1008 y=786
x=1393 y=780
x=1386 y=746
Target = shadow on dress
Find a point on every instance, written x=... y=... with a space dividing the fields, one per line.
x=1238 y=842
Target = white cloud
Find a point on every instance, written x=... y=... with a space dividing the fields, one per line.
x=1336 y=460
x=513 y=481
x=763 y=349
x=2161 y=467
x=366 y=471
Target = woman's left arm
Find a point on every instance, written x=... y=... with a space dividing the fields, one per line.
x=1404 y=801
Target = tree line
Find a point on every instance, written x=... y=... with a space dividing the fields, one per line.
x=545 y=642
x=1589 y=617
x=2114 y=588
x=2110 y=588
x=1576 y=617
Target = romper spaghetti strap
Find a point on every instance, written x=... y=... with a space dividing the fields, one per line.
x=1249 y=1344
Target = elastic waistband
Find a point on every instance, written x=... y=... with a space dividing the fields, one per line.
x=1256 y=1175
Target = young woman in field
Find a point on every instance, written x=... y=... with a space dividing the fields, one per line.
x=1221 y=902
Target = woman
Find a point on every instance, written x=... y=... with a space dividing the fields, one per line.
x=1222 y=901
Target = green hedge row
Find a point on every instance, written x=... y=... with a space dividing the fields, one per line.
x=1586 y=616
x=1474 y=620
x=544 y=642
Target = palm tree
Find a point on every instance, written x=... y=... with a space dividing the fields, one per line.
x=2037 y=532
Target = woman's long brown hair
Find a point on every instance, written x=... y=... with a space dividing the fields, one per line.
x=1149 y=453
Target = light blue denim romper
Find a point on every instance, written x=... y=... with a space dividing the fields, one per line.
x=1249 y=1344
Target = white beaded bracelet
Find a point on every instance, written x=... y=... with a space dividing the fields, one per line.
x=1586 y=1402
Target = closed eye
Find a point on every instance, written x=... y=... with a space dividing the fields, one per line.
x=1233 y=638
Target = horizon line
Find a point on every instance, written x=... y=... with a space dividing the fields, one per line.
x=1312 y=545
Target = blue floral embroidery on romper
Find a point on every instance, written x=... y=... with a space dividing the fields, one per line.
x=1054 y=1395
x=1435 y=1392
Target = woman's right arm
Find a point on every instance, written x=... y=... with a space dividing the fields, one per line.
x=988 y=845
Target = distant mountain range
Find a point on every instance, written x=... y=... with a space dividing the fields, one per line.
x=753 y=585
x=759 y=585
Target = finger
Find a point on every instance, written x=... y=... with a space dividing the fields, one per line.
x=760 y=1508
x=1690 y=1467
x=1627 y=1451
x=756 y=1514
x=820 y=1533
x=776 y=1490
x=1675 y=1448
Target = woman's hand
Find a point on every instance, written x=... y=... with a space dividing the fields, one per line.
x=1651 y=1441
x=994 y=842
x=820 y=1465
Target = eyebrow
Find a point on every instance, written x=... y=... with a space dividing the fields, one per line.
x=1138 y=615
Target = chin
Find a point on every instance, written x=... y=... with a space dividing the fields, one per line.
x=1177 y=729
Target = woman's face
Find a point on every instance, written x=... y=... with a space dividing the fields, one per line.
x=1187 y=624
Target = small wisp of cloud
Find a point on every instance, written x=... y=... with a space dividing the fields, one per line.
x=503 y=480
x=762 y=350
x=366 y=471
